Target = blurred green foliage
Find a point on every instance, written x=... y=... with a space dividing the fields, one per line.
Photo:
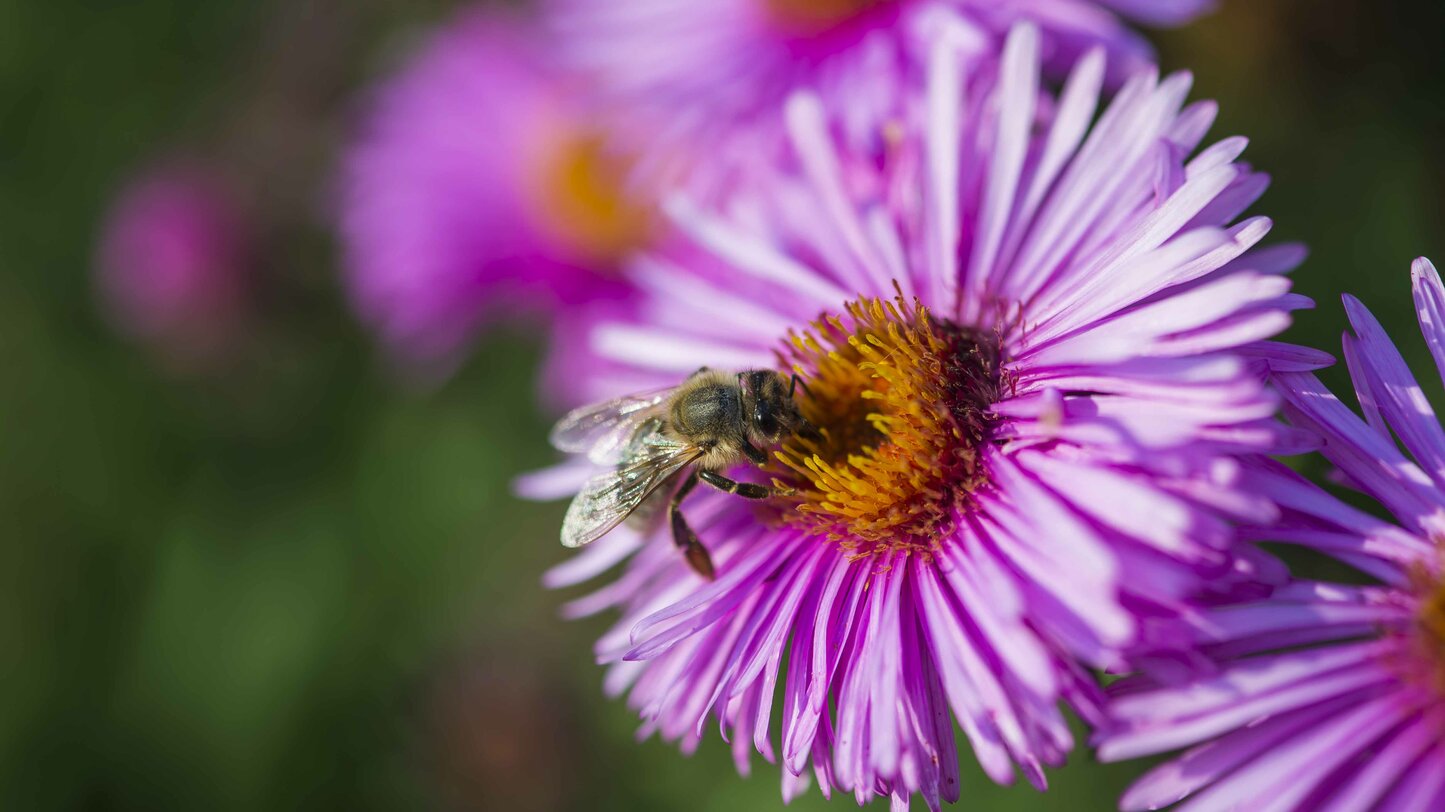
x=302 y=585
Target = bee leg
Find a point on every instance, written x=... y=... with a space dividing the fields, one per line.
x=808 y=431
x=700 y=370
x=754 y=454
x=746 y=490
x=682 y=535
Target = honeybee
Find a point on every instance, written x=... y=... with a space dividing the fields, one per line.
x=710 y=422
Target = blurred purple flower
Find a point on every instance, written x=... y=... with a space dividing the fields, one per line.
x=170 y=265
x=701 y=68
x=1325 y=696
x=1006 y=481
x=478 y=188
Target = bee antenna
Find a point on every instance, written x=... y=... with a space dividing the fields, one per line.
x=797 y=381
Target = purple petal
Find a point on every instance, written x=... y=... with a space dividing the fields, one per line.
x=1430 y=306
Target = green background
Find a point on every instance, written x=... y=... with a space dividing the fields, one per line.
x=300 y=585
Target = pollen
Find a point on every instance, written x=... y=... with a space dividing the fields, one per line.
x=900 y=401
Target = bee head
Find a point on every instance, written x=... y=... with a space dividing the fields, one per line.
x=768 y=405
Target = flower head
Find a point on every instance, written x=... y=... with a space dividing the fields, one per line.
x=1323 y=695
x=478 y=186
x=702 y=68
x=1029 y=350
x=171 y=262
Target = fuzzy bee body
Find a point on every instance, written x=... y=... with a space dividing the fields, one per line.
x=661 y=444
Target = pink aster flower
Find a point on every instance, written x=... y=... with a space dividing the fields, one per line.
x=170 y=266
x=701 y=68
x=1323 y=696
x=1030 y=346
x=476 y=188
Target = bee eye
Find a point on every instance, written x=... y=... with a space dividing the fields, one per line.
x=765 y=421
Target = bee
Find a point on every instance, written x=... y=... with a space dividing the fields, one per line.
x=710 y=422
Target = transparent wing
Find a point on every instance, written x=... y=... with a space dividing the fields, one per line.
x=601 y=431
x=609 y=498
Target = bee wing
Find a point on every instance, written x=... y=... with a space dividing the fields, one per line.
x=602 y=430
x=609 y=498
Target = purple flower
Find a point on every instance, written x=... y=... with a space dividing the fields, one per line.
x=1323 y=696
x=477 y=188
x=700 y=68
x=1032 y=348
x=170 y=266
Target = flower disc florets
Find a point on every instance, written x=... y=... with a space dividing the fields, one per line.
x=901 y=402
x=1425 y=638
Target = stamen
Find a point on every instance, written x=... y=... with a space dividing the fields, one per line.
x=901 y=401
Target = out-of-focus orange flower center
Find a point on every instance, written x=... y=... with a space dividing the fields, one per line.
x=586 y=198
x=901 y=401
x=813 y=16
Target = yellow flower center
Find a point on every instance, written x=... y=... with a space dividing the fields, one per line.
x=585 y=197
x=1432 y=613
x=901 y=401
x=1429 y=637
x=815 y=16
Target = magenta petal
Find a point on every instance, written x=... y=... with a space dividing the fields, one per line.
x=1430 y=306
x=1385 y=766
x=1399 y=396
